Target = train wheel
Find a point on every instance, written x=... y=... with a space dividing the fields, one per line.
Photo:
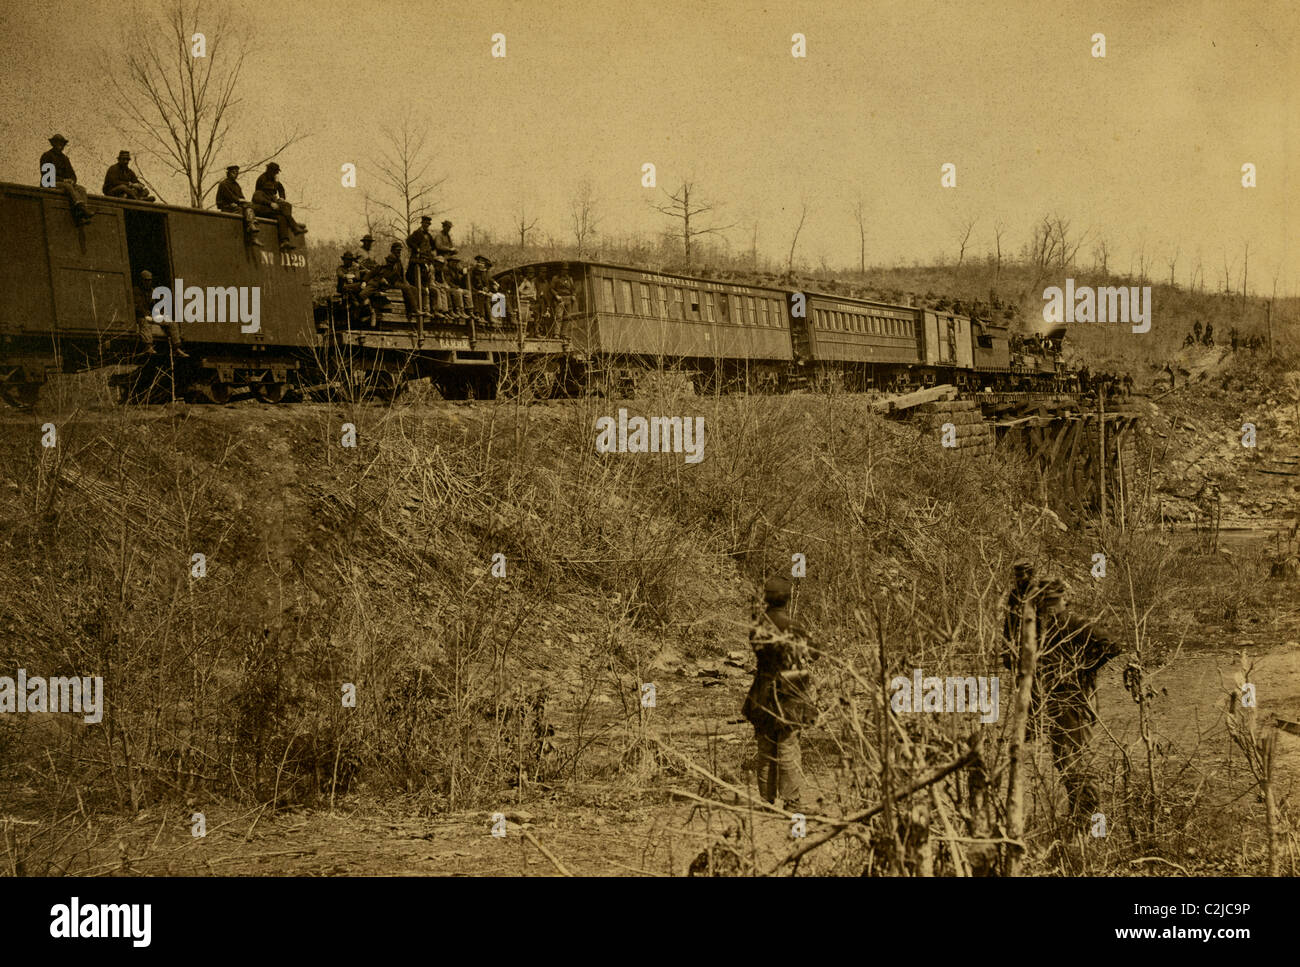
x=218 y=391
x=384 y=385
x=268 y=390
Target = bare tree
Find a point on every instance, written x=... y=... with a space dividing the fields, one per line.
x=1227 y=272
x=1172 y=262
x=1101 y=257
x=753 y=246
x=681 y=206
x=1198 y=270
x=522 y=224
x=583 y=212
x=964 y=229
x=1245 y=269
x=859 y=212
x=180 y=105
x=803 y=217
x=999 y=232
x=402 y=170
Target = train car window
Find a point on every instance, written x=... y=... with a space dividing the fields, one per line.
x=724 y=308
x=625 y=294
x=751 y=310
x=607 y=295
x=762 y=312
x=708 y=307
x=778 y=313
x=663 y=301
x=679 y=303
x=693 y=300
x=646 y=307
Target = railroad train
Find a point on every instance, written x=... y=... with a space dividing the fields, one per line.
x=67 y=305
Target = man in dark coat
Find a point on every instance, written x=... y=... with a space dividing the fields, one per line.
x=230 y=198
x=57 y=172
x=419 y=269
x=781 y=700
x=121 y=182
x=390 y=275
x=272 y=204
x=1071 y=652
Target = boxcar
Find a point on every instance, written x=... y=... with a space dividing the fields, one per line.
x=66 y=297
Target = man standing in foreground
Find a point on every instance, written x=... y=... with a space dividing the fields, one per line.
x=781 y=701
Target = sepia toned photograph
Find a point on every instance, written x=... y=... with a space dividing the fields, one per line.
x=573 y=439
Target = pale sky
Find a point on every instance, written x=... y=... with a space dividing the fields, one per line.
x=1147 y=143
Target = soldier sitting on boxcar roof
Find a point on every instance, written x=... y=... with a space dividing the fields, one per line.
x=121 y=182
x=274 y=205
x=60 y=174
x=230 y=198
x=145 y=321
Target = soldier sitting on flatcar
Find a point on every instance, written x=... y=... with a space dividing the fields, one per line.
x=461 y=304
x=390 y=275
x=55 y=163
x=121 y=182
x=365 y=260
x=348 y=281
x=483 y=286
x=145 y=321
x=230 y=198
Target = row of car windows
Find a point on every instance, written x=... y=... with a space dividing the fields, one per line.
x=836 y=321
x=677 y=302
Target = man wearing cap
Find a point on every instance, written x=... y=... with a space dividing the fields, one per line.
x=419 y=268
x=442 y=242
x=458 y=285
x=1070 y=654
x=483 y=285
x=230 y=198
x=145 y=321
x=57 y=172
x=269 y=202
x=348 y=282
x=365 y=261
x=121 y=182
x=781 y=700
x=390 y=276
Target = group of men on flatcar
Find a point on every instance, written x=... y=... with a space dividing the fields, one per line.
x=438 y=286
